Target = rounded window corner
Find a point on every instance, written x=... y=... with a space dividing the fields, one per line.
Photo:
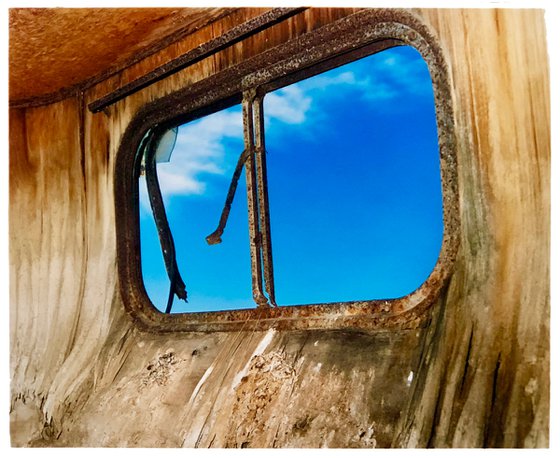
x=357 y=35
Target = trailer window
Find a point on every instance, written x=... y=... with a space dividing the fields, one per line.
x=332 y=202
x=349 y=159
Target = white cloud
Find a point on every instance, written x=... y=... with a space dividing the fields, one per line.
x=326 y=81
x=200 y=144
x=288 y=105
x=199 y=150
x=173 y=182
x=399 y=75
x=379 y=90
x=383 y=79
x=292 y=104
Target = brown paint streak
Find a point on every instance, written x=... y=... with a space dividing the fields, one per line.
x=503 y=288
x=76 y=358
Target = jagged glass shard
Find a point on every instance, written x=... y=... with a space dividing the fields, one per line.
x=166 y=145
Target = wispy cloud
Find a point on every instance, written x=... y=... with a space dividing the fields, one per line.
x=381 y=78
x=200 y=149
x=288 y=105
x=398 y=75
x=388 y=75
x=326 y=81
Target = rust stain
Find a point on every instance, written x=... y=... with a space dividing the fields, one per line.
x=255 y=397
x=362 y=33
x=160 y=369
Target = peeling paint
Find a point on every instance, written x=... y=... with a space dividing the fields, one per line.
x=531 y=386
x=160 y=369
x=266 y=386
x=261 y=347
x=200 y=383
x=409 y=378
x=363 y=374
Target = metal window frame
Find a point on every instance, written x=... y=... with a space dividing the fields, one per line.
x=342 y=41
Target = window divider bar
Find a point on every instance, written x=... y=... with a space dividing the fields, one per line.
x=253 y=201
x=263 y=205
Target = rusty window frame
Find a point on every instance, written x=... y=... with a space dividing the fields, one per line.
x=345 y=40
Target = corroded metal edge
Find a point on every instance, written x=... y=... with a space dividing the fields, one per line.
x=207 y=49
x=270 y=69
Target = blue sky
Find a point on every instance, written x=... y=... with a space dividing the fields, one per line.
x=354 y=187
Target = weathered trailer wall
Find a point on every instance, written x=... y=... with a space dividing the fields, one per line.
x=83 y=375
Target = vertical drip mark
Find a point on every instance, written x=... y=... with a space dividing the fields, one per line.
x=81 y=115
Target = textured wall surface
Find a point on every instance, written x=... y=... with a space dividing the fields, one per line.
x=43 y=42
x=476 y=375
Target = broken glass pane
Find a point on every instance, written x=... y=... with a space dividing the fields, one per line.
x=194 y=183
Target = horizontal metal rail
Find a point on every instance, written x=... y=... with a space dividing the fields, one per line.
x=229 y=38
